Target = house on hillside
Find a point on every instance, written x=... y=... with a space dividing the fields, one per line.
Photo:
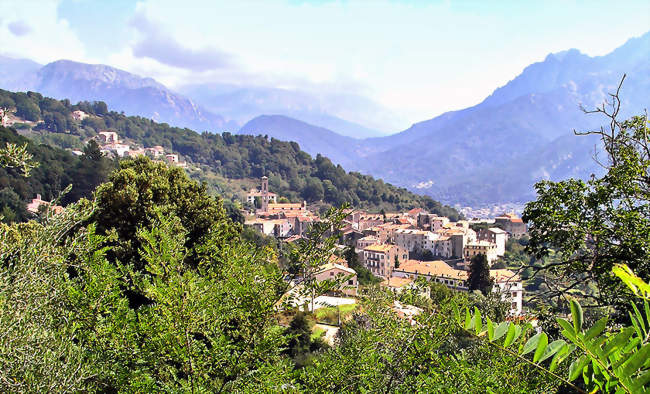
x=38 y=204
x=495 y=235
x=108 y=137
x=487 y=248
x=438 y=271
x=380 y=258
x=263 y=193
x=506 y=282
x=337 y=271
x=78 y=115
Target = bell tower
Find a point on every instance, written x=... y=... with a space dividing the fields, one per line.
x=265 y=194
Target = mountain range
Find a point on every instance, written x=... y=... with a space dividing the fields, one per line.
x=495 y=151
x=492 y=152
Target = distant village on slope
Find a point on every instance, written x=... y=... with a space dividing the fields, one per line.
x=392 y=245
x=397 y=247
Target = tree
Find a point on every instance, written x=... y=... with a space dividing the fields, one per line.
x=596 y=223
x=299 y=334
x=479 y=274
x=364 y=276
x=141 y=187
x=396 y=263
x=313 y=190
x=12 y=208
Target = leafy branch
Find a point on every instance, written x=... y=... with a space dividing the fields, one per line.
x=608 y=361
x=16 y=156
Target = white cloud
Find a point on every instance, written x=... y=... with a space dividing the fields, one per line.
x=49 y=39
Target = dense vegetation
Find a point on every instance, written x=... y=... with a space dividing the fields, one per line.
x=151 y=287
x=173 y=299
x=292 y=173
x=593 y=225
x=56 y=171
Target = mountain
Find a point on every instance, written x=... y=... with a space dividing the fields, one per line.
x=121 y=90
x=229 y=164
x=242 y=103
x=17 y=74
x=523 y=132
x=312 y=139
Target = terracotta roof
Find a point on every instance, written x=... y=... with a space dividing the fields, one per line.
x=415 y=211
x=504 y=275
x=330 y=266
x=379 y=248
x=284 y=205
x=397 y=282
x=434 y=268
x=338 y=260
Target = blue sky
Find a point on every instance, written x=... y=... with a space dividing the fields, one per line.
x=416 y=58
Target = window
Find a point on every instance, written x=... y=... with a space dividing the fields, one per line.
x=514 y=294
x=331 y=273
x=514 y=305
x=351 y=282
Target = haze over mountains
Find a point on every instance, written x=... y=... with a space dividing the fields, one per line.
x=489 y=153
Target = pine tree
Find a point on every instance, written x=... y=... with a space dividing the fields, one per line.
x=479 y=274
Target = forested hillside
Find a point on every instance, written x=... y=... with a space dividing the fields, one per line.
x=57 y=170
x=292 y=172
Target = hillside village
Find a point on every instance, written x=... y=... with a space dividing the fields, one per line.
x=401 y=247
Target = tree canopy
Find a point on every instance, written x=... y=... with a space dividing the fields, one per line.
x=597 y=223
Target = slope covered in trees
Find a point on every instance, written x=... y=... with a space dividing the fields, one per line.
x=57 y=170
x=292 y=172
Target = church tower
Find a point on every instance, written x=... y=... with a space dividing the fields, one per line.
x=265 y=194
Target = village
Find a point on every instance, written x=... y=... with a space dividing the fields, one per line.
x=399 y=248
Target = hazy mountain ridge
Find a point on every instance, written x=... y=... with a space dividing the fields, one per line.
x=312 y=139
x=243 y=103
x=496 y=150
x=491 y=152
x=121 y=90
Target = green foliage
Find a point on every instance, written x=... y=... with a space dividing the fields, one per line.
x=66 y=306
x=12 y=208
x=379 y=352
x=603 y=221
x=479 y=274
x=139 y=190
x=14 y=156
x=51 y=171
x=610 y=361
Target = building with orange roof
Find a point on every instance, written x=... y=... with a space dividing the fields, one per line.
x=335 y=271
x=487 y=248
x=380 y=258
x=506 y=282
x=512 y=223
x=438 y=271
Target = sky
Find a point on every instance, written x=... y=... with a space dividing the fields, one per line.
x=417 y=59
